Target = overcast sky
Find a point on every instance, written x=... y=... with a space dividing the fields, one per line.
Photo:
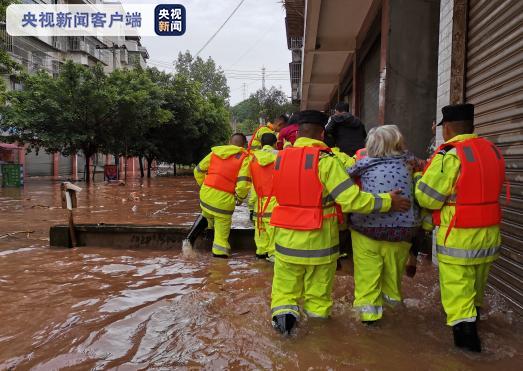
x=253 y=38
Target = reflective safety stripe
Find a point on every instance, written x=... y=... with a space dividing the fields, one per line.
x=278 y=163
x=313 y=315
x=309 y=161
x=469 y=155
x=199 y=169
x=307 y=253
x=372 y=309
x=469 y=319
x=294 y=308
x=215 y=209
x=221 y=248
x=264 y=215
x=467 y=254
x=243 y=179
x=390 y=300
x=452 y=198
x=378 y=203
x=431 y=192
x=346 y=184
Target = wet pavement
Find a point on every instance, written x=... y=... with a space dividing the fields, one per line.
x=93 y=308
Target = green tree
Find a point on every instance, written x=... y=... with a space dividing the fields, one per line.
x=7 y=65
x=198 y=121
x=264 y=104
x=68 y=114
x=210 y=76
x=138 y=107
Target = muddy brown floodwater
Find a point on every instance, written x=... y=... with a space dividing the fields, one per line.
x=93 y=308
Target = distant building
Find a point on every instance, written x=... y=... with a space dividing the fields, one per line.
x=49 y=54
x=400 y=61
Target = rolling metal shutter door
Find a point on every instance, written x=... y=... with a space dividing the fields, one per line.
x=494 y=83
x=39 y=165
x=65 y=166
x=370 y=78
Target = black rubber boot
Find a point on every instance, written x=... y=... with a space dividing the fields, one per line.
x=478 y=309
x=369 y=323
x=208 y=235
x=284 y=323
x=262 y=256
x=220 y=256
x=466 y=336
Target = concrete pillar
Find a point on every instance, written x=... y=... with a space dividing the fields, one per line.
x=21 y=159
x=384 y=59
x=56 y=164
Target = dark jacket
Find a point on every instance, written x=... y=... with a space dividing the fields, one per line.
x=346 y=132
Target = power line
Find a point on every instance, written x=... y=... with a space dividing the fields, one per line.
x=219 y=29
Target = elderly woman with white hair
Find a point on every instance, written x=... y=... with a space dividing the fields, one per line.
x=381 y=242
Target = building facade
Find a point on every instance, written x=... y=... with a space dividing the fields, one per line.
x=400 y=61
x=49 y=54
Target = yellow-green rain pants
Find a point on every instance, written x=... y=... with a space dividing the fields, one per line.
x=378 y=270
x=222 y=228
x=264 y=237
x=462 y=289
x=313 y=283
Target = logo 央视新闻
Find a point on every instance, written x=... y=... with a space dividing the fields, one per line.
x=169 y=20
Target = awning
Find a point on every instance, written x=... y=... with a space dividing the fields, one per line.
x=9 y=146
x=331 y=29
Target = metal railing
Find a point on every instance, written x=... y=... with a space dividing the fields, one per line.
x=295 y=72
x=296 y=43
x=6 y=40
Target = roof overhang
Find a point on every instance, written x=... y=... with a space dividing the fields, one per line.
x=331 y=29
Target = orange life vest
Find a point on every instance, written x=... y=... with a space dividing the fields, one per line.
x=479 y=185
x=262 y=178
x=298 y=189
x=262 y=181
x=223 y=173
x=361 y=154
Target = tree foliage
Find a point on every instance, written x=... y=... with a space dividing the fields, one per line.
x=211 y=78
x=7 y=65
x=264 y=104
x=145 y=113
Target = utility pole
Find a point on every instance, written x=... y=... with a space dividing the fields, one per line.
x=244 y=91
x=263 y=77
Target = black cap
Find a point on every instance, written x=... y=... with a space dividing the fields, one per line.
x=457 y=112
x=312 y=117
x=295 y=118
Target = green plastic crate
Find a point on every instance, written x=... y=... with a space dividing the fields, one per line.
x=12 y=175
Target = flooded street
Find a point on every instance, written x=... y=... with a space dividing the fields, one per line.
x=93 y=308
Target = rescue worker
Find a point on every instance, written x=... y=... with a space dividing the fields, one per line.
x=381 y=242
x=261 y=168
x=224 y=178
x=289 y=132
x=255 y=142
x=309 y=182
x=462 y=184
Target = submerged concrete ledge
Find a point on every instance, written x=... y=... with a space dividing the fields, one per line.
x=132 y=236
